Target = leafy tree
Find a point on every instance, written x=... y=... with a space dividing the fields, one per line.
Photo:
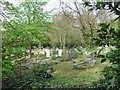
x=64 y=32
x=24 y=25
x=107 y=5
x=111 y=37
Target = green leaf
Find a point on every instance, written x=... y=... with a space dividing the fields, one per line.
x=114 y=66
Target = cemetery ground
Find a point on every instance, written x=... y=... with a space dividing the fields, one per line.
x=66 y=74
x=62 y=73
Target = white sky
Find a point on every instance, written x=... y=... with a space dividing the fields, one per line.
x=51 y=3
x=14 y=1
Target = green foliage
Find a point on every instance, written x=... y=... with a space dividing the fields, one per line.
x=26 y=82
x=40 y=71
x=111 y=37
x=103 y=34
x=100 y=5
x=24 y=25
x=54 y=57
x=41 y=67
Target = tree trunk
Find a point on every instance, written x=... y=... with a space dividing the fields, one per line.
x=30 y=49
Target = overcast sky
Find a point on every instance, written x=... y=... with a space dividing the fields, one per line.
x=51 y=3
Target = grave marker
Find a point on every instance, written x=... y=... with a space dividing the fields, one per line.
x=47 y=52
x=60 y=52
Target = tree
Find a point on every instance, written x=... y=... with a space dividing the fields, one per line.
x=65 y=35
x=111 y=37
x=24 y=25
x=107 y=5
x=85 y=20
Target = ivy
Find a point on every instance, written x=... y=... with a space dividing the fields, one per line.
x=111 y=37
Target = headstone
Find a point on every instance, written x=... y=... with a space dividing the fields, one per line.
x=57 y=49
x=47 y=52
x=90 y=60
x=60 y=52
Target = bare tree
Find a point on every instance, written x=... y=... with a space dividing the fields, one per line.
x=84 y=19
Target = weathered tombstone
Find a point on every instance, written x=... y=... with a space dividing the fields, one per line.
x=57 y=49
x=60 y=52
x=90 y=60
x=47 y=52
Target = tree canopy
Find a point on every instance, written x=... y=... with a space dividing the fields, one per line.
x=24 y=25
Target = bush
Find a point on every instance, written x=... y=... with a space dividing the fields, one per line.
x=38 y=79
x=111 y=37
x=54 y=57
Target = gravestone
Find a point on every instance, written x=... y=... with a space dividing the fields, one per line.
x=60 y=52
x=56 y=52
x=47 y=52
x=90 y=60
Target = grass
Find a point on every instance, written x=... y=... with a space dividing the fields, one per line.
x=65 y=74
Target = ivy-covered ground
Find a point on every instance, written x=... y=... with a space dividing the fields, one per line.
x=42 y=72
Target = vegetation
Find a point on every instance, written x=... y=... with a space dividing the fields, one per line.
x=78 y=31
x=27 y=25
x=110 y=36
